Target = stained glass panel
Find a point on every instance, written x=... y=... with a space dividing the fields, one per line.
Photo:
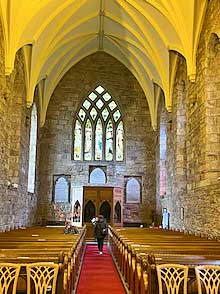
x=98 y=140
x=112 y=105
x=93 y=113
x=86 y=104
x=92 y=96
x=109 y=141
x=88 y=141
x=99 y=103
x=99 y=132
x=116 y=115
x=82 y=114
x=106 y=96
x=120 y=142
x=105 y=114
x=77 y=141
x=100 y=89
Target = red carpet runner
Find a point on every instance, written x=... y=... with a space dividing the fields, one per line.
x=99 y=274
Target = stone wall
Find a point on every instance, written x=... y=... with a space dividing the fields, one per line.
x=57 y=134
x=193 y=145
x=16 y=206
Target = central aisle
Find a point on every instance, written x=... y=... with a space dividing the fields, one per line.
x=99 y=274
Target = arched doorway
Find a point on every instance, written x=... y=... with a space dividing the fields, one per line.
x=89 y=211
x=117 y=215
x=105 y=210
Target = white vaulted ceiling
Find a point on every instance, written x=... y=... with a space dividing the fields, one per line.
x=141 y=34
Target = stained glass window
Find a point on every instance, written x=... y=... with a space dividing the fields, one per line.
x=109 y=141
x=32 y=150
x=93 y=113
x=105 y=114
x=77 y=141
x=98 y=129
x=119 y=142
x=82 y=114
x=98 y=140
x=88 y=141
x=92 y=96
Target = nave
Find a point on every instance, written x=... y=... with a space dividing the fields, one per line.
x=44 y=260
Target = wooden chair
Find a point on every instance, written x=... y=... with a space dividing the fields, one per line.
x=172 y=276
x=208 y=279
x=9 y=273
x=41 y=277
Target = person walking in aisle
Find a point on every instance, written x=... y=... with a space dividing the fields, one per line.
x=100 y=231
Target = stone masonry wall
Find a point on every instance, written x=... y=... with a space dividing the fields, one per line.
x=193 y=145
x=57 y=134
x=16 y=206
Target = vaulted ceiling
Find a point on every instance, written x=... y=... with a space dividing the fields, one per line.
x=141 y=34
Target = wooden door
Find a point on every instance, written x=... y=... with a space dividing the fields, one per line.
x=97 y=200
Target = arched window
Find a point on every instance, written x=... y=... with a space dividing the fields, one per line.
x=133 y=191
x=99 y=129
x=32 y=150
x=61 y=189
x=97 y=176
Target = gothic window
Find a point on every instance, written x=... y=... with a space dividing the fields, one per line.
x=162 y=161
x=133 y=190
x=32 y=150
x=99 y=129
x=61 y=189
x=97 y=176
x=163 y=153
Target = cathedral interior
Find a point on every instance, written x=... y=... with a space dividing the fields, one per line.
x=111 y=107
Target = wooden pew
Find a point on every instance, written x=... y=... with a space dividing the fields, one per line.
x=39 y=244
x=137 y=252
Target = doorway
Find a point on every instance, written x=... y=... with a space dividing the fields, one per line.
x=97 y=200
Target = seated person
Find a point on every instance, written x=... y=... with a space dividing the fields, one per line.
x=69 y=229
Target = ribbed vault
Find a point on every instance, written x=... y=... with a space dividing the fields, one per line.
x=142 y=34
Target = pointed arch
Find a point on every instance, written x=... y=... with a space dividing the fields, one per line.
x=89 y=211
x=117 y=214
x=105 y=210
x=76 y=211
x=98 y=128
x=133 y=191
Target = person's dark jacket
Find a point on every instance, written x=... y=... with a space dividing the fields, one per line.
x=100 y=230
